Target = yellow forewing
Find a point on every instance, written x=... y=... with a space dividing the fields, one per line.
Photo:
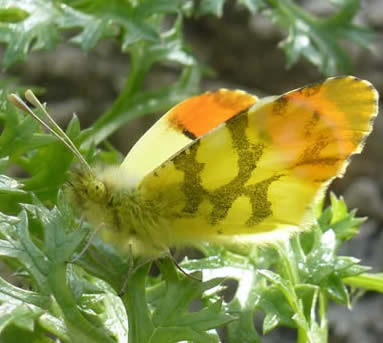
x=264 y=169
x=180 y=126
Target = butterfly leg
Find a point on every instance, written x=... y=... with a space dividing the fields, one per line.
x=134 y=265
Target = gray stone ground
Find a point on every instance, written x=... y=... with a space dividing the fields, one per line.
x=243 y=51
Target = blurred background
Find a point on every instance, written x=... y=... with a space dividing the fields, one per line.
x=236 y=50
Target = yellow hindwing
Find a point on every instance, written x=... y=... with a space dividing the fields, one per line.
x=262 y=172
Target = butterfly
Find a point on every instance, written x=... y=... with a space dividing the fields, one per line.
x=226 y=167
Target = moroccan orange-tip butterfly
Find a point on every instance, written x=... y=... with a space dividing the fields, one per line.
x=225 y=166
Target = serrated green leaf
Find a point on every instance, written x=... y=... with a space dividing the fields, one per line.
x=8 y=220
x=178 y=298
x=242 y=329
x=59 y=243
x=170 y=48
x=277 y=310
x=308 y=296
x=48 y=166
x=354 y=270
x=19 y=315
x=42 y=22
x=18 y=133
x=320 y=261
x=141 y=326
x=116 y=319
x=220 y=260
x=9 y=185
x=79 y=328
x=55 y=326
x=336 y=217
x=38 y=29
x=270 y=322
x=18 y=244
x=337 y=290
x=73 y=130
x=319 y=40
x=92 y=33
x=93 y=28
x=12 y=294
x=133 y=21
x=172 y=320
x=346 y=266
x=207 y=318
x=339 y=208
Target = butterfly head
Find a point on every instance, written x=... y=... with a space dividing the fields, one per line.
x=84 y=186
x=92 y=197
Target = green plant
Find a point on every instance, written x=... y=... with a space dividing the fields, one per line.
x=76 y=298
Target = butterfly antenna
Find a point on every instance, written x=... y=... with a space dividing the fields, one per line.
x=52 y=127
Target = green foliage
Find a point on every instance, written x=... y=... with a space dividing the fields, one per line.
x=137 y=25
x=70 y=280
x=29 y=25
x=319 y=40
x=290 y=283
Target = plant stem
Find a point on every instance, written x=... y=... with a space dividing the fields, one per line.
x=371 y=282
x=139 y=67
x=140 y=325
x=79 y=328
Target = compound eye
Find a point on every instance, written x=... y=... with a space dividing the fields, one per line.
x=97 y=191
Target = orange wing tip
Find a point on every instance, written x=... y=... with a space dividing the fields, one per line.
x=200 y=114
x=374 y=99
x=344 y=106
x=374 y=95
